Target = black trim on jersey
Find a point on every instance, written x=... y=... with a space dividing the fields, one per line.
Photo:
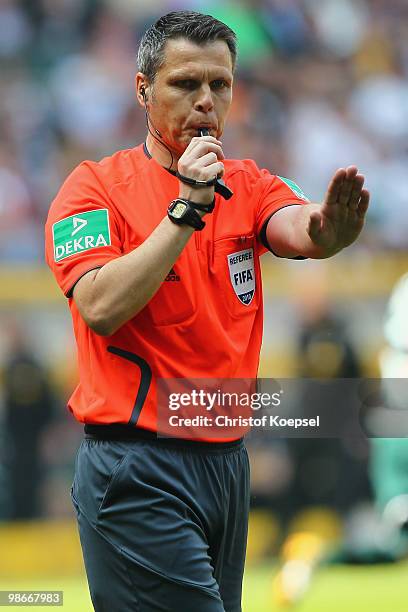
x=69 y=293
x=263 y=239
x=145 y=380
x=146 y=151
x=148 y=155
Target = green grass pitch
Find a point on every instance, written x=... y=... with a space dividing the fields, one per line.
x=334 y=589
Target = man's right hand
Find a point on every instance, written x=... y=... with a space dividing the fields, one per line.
x=201 y=161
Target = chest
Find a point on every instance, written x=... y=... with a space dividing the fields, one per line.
x=142 y=204
x=218 y=270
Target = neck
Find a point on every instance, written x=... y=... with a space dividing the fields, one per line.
x=159 y=152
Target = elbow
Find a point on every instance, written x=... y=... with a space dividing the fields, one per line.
x=100 y=322
x=100 y=313
x=101 y=328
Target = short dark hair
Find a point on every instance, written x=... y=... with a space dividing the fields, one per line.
x=196 y=27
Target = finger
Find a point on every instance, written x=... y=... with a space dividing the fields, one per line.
x=209 y=172
x=363 y=204
x=198 y=169
x=205 y=139
x=189 y=160
x=351 y=172
x=314 y=225
x=356 y=192
x=200 y=143
x=207 y=160
x=334 y=187
x=347 y=186
x=206 y=144
x=197 y=140
x=200 y=148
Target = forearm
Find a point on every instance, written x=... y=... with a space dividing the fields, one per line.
x=123 y=286
x=111 y=296
x=287 y=233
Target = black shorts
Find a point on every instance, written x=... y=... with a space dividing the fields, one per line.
x=162 y=523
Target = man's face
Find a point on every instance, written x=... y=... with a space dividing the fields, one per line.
x=192 y=89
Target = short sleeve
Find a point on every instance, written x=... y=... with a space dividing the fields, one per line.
x=277 y=193
x=82 y=230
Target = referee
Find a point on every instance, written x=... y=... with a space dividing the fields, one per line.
x=157 y=250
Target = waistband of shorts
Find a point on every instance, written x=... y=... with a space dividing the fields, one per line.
x=121 y=431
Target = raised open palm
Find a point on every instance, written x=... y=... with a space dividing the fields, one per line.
x=341 y=216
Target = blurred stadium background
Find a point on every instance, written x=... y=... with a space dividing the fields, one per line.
x=320 y=84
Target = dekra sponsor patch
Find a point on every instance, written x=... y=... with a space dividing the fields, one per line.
x=81 y=232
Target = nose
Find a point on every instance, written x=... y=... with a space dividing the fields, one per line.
x=204 y=101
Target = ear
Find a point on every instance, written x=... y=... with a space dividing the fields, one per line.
x=141 y=86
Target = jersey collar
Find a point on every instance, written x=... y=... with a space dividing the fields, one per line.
x=149 y=156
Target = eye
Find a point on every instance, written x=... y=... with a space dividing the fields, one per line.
x=189 y=84
x=219 y=84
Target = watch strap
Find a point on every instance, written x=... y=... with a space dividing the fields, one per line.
x=208 y=208
x=189 y=217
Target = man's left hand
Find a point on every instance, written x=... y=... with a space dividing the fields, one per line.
x=340 y=218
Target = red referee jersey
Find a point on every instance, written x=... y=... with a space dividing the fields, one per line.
x=206 y=319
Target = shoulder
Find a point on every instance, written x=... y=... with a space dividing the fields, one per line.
x=120 y=167
x=246 y=170
x=95 y=179
x=110 y=170
x=245 y=174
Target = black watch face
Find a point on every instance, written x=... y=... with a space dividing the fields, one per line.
x=179 y=210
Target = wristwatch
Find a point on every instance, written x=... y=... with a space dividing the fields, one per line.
x=183 y=212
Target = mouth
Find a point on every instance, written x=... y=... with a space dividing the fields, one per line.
x=203 y=127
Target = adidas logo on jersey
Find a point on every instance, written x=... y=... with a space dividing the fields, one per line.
x=172 y=276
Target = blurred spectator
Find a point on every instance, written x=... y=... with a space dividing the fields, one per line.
x=28 y=407
x=306 y=472
x=378 y=532
x=389 y=458
x=313 y=95
x=328 y=472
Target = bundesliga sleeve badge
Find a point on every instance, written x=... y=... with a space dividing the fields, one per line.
x=295 y=188
x=81 y=232
x=242 y=274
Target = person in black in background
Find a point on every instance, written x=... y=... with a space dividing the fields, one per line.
x=28 y=404
x=330 y=475
x=330 y=472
